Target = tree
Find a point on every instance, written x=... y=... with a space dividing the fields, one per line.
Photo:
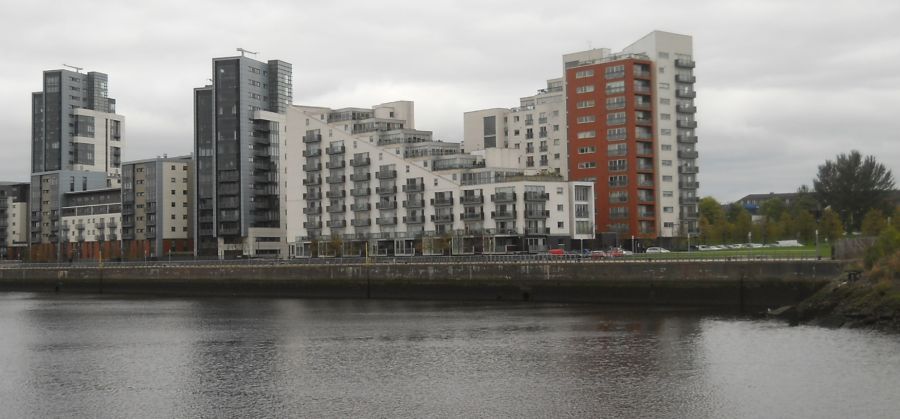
x=874 y=222
x=711 y=209
x=805 y=227
x=772 y=209
x=830 y=227
x=851 y=185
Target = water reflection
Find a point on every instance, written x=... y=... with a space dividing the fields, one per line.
x=108 y=357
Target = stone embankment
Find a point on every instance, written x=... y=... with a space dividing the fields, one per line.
x=745 y=285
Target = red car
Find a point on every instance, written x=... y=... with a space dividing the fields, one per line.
x=556 y=252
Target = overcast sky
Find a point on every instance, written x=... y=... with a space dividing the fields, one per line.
x=782 y=85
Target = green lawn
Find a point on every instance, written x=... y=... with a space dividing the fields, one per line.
x=805 y=252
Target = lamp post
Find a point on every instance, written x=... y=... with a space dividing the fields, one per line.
x=818 y=257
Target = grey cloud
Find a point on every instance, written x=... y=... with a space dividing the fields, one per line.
x=782 y=85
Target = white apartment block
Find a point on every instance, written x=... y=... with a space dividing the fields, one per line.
x=536 y=129
x=363 y=181
x=98 y=141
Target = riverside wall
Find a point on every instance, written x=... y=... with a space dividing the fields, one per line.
x=744 y=285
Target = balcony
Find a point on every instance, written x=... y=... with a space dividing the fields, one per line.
x=336 y=179
x=361 y=177
x=645 y=167
x=312 y=181
x=688 y=185
x=471 y=199
x=390 y=205
x=361 y=222
x=312 y=167
x=644 y=122
x=686 y=109
x=360 y=161
x=641 y=74
x=387 y=190
x=471 y=216
x=503 y=215
x=442 y=218
x=112 y=225
x=680 y=78
x=689 y=200
x=150 y=209
x=100 y=224
x=79 y=226
x=646 y=198
x=386 y=221
x=312 y=153
x=537 y=213
x=312 y=196
x=113 y=237
x=536 y=196
x=337 y=223
x=442 y=202
x=685 y=94
x=681 y=123
x=687 y=154
x=414 y=187
x=646 y=214
x=361 y=207
x=543 y=149
x=312 y=225
x=336 y=194
x=643 y=106
x=312 y=210
x=386 y=174
x=332 y=150
x=414 y=220
x=361 y=192
x=642 y=89
x=314 y=138
x=537 y=231
x=334 y=209
x=504 y=197
x=690 y=215
x=414 y=203
x=684 y=63
x=687 y=139
x=616 y=136
x=688 y=170
x=339 y=164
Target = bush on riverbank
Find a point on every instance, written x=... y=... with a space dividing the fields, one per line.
x=871 y=300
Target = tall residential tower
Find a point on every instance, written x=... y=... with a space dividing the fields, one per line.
x=238 y=125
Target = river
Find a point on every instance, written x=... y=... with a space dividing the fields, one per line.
x=116 y=357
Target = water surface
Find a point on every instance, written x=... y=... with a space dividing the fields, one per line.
x=86 y=356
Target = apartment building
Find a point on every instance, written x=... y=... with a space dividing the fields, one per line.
x=627 y=124
x=13 y=220
x=238 y=123
x=535 y=130
x=157 y=208
x=91 y=224
x=77 y=143
x=386 y=188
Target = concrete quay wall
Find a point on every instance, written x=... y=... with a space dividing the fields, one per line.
x=727 y=284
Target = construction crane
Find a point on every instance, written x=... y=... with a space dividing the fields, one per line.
x=77 y=69
x=245 y=51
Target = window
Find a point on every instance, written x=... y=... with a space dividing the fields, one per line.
x=667 y=178
x=665 y=101
x=587 y=150
x=618 y=149
x=664 y=86
x=665 y=116
x=615 y=87
x=614 y=71
x=587 y=134
x=584 y=73
x=587 y=119
x=668 y=210
x=616 y=134
x=587 y=165
x=665 y=131
x=618 y=181
x=666 y=147
x=584 y=89
x=667 y=162
x=615 y=118
x=667 y=194
x=582 y=104
x=617 y=102
x=618 y=165
x=663 y=55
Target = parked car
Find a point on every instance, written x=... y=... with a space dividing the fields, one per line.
x=598 y=254
x=656 y=250
x=556 y=252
